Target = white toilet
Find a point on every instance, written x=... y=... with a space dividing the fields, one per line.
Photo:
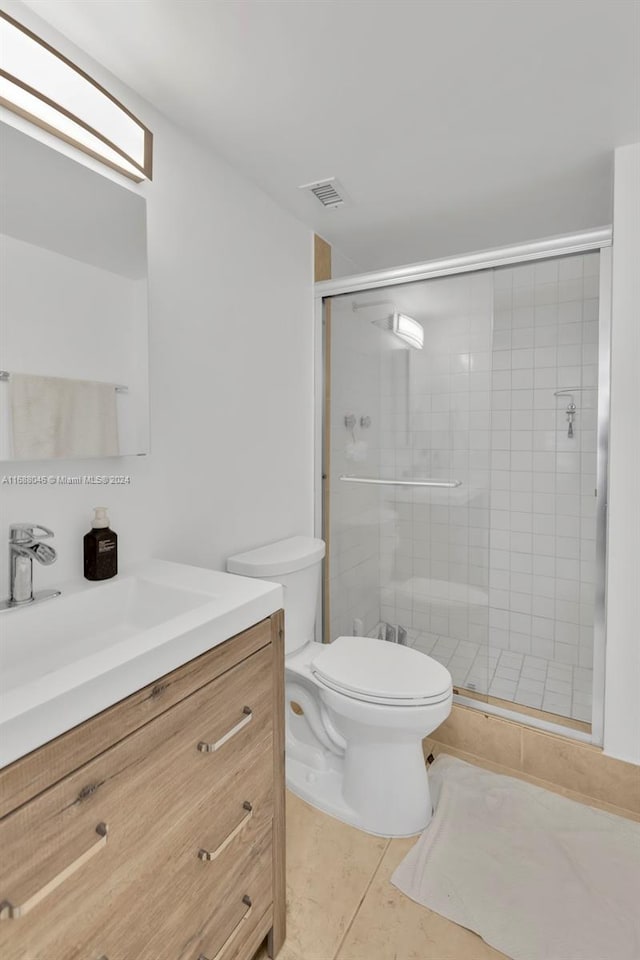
x=357 y=709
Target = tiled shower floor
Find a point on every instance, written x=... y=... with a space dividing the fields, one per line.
x=531 y=681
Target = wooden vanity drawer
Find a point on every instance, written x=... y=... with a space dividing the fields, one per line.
x=213 y=907
x=233 y=923
x=194 y=896
x=37 y=771
x=78 y=857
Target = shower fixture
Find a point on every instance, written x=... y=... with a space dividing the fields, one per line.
x=571 y=407
x=392 y=633
x=350 y=424
x=571 y=412
x=402 y=325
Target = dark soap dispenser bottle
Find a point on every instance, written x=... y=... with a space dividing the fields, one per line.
x=100 y=548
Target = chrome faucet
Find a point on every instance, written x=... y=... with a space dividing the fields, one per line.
x=25 y=546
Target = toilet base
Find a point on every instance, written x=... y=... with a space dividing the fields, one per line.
x=322 y=789
x=361 y=762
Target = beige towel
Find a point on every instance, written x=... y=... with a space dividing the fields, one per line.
x=537 y=876
x=53 y=417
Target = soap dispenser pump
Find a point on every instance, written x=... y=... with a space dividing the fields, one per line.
x=100 y=548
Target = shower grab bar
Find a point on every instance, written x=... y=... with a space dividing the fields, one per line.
x=403 y=483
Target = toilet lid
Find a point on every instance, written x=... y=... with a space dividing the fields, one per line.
x=382 y=672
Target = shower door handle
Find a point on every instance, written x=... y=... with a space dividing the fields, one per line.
x=403 y=483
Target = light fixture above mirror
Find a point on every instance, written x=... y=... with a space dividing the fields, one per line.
x=39 y=83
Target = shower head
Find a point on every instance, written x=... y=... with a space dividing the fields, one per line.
x=402 y=325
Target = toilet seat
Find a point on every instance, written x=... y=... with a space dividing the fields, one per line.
x=376 y=671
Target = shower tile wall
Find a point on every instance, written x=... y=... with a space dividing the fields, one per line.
x=495 y=579
x=354 y=542
x=542 y=559
x=436 y=420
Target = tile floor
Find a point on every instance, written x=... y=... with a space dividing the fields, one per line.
x=545 y=684
x=342 y=906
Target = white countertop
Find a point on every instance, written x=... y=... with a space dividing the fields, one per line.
x=64 y=660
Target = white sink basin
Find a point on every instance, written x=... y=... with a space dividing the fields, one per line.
x=64 y=660
x=54 y=637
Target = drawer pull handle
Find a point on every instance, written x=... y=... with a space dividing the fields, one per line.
x=206 y=855
x=9 y=910
x=205 y=747
x=234 y=933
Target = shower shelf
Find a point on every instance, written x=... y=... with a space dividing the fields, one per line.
x=403 y=483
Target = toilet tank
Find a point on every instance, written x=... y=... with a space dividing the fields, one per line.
x=296 y=564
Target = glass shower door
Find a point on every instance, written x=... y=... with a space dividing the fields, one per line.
x=462 y=478
x=543 y=518
x=409 y=471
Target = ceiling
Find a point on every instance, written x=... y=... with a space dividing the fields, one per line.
x=453 y=125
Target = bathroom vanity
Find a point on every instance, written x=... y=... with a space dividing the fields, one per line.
x=155 y=828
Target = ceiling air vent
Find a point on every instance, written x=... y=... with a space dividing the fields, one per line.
x=329 y=192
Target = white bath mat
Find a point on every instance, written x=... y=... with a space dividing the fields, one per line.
x=537 y=876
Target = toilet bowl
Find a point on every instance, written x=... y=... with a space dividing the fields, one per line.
x=357 y=709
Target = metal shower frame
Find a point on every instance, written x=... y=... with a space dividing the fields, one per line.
x=597 y=239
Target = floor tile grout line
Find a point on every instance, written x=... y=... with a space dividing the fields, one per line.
x=565 y=703
x=362 y=899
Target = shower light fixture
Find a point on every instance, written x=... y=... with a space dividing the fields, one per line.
x=408 y=330
x=42 y=85
x=402 y=325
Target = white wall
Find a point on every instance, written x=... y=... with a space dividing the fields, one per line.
x=342 y=266
x=622 y=690
x=230 y=279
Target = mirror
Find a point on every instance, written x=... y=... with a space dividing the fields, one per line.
x=73 y=301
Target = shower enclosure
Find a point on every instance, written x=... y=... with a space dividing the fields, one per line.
x=464 y=443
